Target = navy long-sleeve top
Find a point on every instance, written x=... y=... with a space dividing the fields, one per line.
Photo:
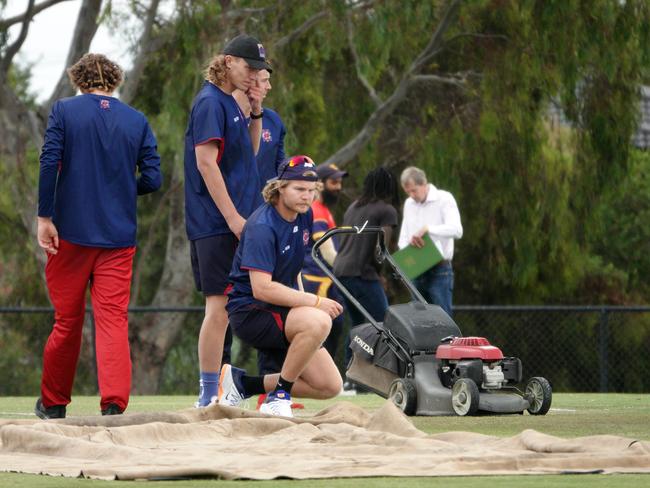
x=94 y=147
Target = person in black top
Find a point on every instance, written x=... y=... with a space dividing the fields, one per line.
x=355 y=264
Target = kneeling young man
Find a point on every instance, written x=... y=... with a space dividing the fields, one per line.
x=264 y=308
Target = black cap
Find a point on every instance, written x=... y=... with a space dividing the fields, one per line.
x=249 y=48
x=330 y=170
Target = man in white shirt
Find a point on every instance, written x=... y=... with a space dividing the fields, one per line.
x=435 y=211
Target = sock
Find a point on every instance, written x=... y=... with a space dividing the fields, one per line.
x=208 y=384
x=284 y=385
x=253 y=385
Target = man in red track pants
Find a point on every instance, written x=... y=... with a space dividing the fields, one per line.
x=94 y=146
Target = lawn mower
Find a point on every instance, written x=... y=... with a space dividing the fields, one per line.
x=418 y=358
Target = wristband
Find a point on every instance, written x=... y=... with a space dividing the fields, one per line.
x=258 y=116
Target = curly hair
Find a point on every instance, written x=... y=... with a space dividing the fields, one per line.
x=379 y=184
x=216 y=71
x=271 y=191
x=95 y=71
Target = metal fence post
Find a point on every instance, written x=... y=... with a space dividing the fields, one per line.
x=603 y=348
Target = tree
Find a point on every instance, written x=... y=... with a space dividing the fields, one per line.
x=461 y=89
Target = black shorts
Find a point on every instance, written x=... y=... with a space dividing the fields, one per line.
x=263 y=328
x=211 y=262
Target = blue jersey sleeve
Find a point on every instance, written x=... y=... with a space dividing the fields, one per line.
x=148 y=163
x=51 y=157
x=209 y=122
x=259 y=249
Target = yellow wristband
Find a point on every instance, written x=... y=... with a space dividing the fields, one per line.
x=318 y=300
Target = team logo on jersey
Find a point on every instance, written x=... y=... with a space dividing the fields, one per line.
x=236 y=119
x=266 y=135
x=105 y=104
x=305 y=237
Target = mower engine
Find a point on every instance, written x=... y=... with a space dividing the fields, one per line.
x=476 y=359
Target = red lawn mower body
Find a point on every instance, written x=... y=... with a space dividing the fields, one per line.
x=469 y=348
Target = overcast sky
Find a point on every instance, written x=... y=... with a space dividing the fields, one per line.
x=46 y=46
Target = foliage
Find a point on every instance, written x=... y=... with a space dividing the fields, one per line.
x=552 y=212
x=20 y=374
x=20 y=274
x=19 y=77
x=623 y=212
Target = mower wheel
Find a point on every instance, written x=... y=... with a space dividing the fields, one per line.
x=404 y=394
x=465 y=397
x=539 y=394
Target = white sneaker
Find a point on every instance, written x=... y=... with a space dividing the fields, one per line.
x=231 y=393
x=278 y=404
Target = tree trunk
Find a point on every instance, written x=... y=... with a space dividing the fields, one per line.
x=21 y=131
x=152 y=335
x=84 y=31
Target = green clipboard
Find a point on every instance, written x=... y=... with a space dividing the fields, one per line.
x=415 y=261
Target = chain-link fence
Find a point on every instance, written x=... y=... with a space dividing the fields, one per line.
x=577 y=348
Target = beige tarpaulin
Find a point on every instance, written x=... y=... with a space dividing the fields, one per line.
x=340 y=441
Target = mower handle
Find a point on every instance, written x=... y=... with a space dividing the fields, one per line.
x=391 y=341
x=384 y=255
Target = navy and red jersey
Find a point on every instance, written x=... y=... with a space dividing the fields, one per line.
x=94 y=144
x=271 y=152
x=216 y=117
x=323 y=221
x=272 y=245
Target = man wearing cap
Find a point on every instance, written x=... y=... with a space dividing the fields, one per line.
x=221 y=187
x=265 y=309
x=313 y=278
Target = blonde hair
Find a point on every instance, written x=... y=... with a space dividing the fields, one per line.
x=319 y=189
x=216 y=71
x=271 y=192
x=95 y=71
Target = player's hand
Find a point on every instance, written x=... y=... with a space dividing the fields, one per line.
x=254 y=94
x=236 y=225
x=330 y=307
x=48 y=236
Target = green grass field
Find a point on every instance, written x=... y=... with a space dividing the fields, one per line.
x=571 y=415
